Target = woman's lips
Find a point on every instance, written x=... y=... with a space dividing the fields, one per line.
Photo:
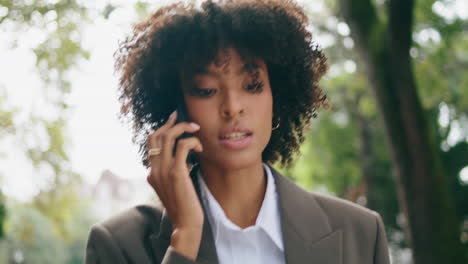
x=237 y=143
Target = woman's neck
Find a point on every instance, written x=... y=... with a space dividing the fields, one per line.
x=239 y=192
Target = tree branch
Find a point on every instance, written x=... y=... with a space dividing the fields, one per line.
x=362 y=18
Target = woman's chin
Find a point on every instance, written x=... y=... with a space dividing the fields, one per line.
x=234 y=162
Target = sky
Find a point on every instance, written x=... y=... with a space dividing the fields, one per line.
x=97 y=140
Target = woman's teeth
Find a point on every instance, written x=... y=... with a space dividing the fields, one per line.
x=235 y=136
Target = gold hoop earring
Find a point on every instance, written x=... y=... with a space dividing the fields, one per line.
x=277 y=125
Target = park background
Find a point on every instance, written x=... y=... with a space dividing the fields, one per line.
x=395 y=138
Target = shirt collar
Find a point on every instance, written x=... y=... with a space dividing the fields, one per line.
x=268 y=217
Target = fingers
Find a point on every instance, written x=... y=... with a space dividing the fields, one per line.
x=163 y=166
x=169 y=175
x=170 y=122
x=168 y=139
x=183 y=147
x=155 y=141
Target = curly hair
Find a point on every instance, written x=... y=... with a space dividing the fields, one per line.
x=186 y=37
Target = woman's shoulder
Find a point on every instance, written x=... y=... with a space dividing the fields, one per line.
x=343 y=213
x=124 y=236
x=340 y=212
x=337 y=210
x=137 y=221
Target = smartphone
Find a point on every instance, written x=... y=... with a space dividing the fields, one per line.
x=183 y=117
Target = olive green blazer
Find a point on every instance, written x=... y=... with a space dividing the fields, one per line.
x=316 y=228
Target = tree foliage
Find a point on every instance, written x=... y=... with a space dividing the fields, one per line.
x=345 y=151
x=41 y=230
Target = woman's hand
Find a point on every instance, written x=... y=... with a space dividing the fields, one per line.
x=170 y=178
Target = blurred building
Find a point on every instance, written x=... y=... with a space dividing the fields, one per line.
x=112 y=194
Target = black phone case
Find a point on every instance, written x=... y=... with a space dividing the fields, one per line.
x=183 y=117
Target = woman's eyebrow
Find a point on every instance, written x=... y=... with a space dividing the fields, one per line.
x=248 y=67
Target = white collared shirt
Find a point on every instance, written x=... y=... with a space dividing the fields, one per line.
x=260 y=243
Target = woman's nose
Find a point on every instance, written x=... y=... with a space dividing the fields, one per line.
x=231 y=105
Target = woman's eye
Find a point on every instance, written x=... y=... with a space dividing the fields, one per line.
x=202 y=92
x=255 y=87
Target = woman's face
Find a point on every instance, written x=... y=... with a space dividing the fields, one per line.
x=232 y=102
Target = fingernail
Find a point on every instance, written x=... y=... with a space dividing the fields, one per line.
x=173 y=115
x=194 y=125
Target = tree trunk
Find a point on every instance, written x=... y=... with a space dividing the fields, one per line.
x=422 y=186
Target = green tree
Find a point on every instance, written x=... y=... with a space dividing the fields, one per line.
x=6 y=127
x=45 y=230
x=60 y=23
x=383 y=41
x=345 y=150
x=31 y=237
x=34 y=237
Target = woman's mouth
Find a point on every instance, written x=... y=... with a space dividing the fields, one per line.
x=236 y=140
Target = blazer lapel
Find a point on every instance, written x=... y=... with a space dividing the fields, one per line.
x=207 y=252
x=160 y=241
x=307 y=234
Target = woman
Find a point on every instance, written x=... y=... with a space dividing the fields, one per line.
x=244 y=78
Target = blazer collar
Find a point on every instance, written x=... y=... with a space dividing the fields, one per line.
x=307 y=234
